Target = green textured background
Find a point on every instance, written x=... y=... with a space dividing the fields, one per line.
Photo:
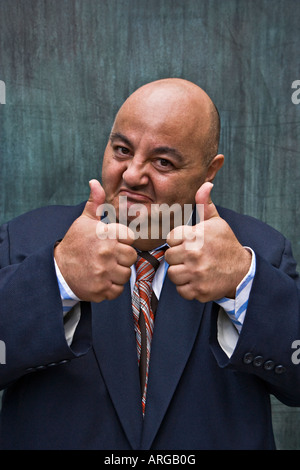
x=69 y=64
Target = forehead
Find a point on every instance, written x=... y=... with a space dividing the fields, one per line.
x=162 y=118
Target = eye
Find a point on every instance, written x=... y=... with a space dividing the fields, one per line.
x=164 y=164
x=121 y=151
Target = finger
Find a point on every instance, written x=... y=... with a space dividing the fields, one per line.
x=115 y=231
x=179 y=234
x=179 y=275
x=112 y=293
x=125 y=255
x=203 y=199
x=186 y=291
x=96 y=199
x=175 y=255
x=120 y=275
x=125 y=234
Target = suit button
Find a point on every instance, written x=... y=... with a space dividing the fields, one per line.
x=257 y=361
x=279 y=369
x=248 y=358
x=269 y=365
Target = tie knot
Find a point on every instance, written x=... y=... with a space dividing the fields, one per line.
x=147 y=263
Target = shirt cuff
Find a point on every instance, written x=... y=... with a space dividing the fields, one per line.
x=236 y=308
x=68 y=298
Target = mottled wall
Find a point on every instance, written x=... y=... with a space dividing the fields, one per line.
x=69 y=64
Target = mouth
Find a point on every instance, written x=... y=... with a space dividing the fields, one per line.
x=133 y=196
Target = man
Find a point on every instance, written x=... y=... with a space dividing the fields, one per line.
x=90 y=365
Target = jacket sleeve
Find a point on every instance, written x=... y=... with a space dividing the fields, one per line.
x=31 y=316
x=271 y=326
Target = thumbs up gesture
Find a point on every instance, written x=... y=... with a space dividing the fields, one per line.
x=95 y=269
x=207 y=262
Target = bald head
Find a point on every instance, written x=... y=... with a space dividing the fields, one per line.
x=181 y=100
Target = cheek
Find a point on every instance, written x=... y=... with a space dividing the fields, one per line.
x=111 y=174
x=177 y=190
x=189 y=187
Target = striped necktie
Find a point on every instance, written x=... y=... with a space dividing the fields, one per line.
x=144 y=304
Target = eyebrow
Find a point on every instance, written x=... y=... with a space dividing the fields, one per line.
x=157 y=151
x=169 y=151
x=119 y=136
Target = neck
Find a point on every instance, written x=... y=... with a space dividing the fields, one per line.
x=147 y=245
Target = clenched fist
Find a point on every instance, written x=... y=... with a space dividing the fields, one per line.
x=207 y=262
x=95 y=269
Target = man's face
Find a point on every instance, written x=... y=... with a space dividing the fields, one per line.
x=153 y=157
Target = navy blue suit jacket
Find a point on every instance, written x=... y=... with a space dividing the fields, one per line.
x=87 y=396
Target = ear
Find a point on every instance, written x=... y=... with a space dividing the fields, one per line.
x=214 y=167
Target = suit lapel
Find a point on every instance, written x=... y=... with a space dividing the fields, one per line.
x=176 y=326
x=115 y=348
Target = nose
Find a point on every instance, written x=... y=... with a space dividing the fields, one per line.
x=135 y=173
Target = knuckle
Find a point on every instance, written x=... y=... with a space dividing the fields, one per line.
x=114 y=292
x=172 y=273
x=127 y=275
x=132 y=255
x=185 y=292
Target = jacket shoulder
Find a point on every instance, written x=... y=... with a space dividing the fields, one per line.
x=252 y=232
x=39 y=227
x=45 y=216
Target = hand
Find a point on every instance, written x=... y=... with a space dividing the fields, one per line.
x=95 y=269
x=206 y=268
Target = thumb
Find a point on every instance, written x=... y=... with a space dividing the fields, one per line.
x=205 y=206
x=96 y=199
